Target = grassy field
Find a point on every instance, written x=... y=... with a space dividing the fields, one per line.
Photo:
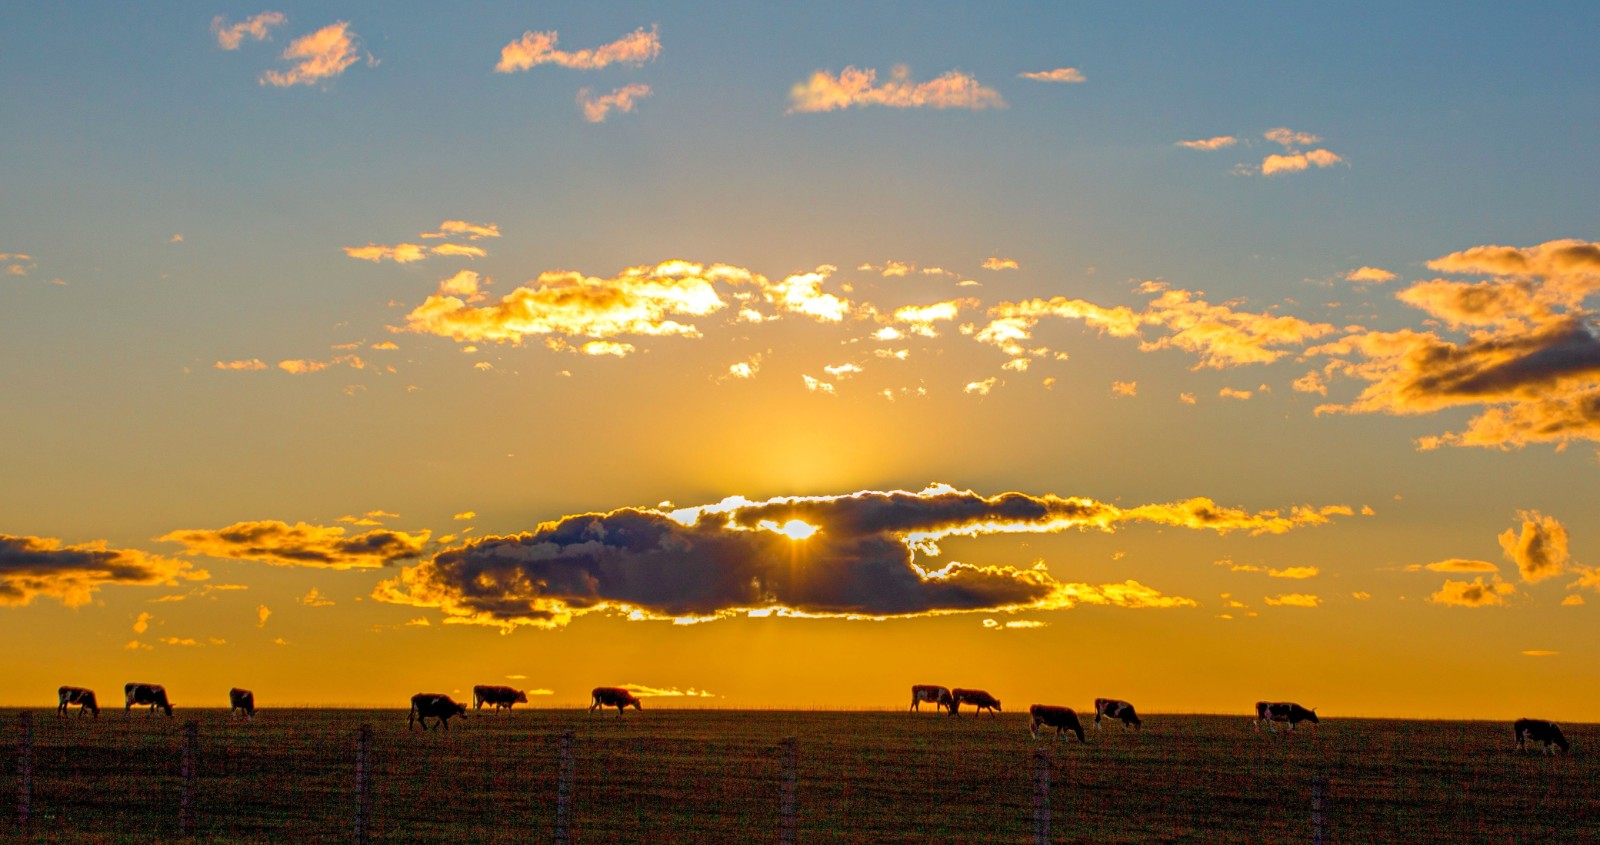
x=710 y=776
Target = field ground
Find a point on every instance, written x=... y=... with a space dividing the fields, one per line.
x=712 y=776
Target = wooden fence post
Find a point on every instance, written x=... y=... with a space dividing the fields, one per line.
x=1041 y=796
x=789 y=764
x=564 y=770
x=363 y=784
x=24 y=768
x=191 y=734
x=1319 y=785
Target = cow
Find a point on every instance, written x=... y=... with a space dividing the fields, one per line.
x=1540 y=730
x=503 y=698
x=241 y=700
x=154 y=695
x=979 y=700
x=1283 y=711
x=433 y=705
x=84 y=698
x=1063 y=719
x=613 y=697
x=939 y=696
x=1111 y=708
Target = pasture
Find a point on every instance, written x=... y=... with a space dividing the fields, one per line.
x=711 y=776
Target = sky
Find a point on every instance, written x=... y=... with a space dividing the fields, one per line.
x=788 y=357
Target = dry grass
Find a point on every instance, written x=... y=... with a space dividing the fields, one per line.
x=666 y=776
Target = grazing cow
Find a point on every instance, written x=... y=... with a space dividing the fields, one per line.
x=939 y=696
x=501 y=697
x=241 y=700
x=1063 y=719
x=979 y=700
x=1283 y=711
x=84 y=698
x=434 y=705
x=1111 y=708
x=154 y=695
x=613 y=697
x=1540 y=730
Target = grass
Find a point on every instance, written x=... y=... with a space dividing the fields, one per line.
x=711 y=776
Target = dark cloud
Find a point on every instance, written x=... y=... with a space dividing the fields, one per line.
x=858 y=558
x=42 y=566
x=327 y=547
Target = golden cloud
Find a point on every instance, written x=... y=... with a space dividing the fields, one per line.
x=539 y=48
x=1531 y=358
x=1474 y=593
x=1295 y=162
x=1208 y=144
x=856 y=87
x=1454 y=565
x=316 y=546
x=1124 y=388
x=994 y=262
x=595 y=109
x=1540 y=549
x=862 y=556
x=399 y=253
x=257 y=28
x=246 y=364
x=1060 y=74
x=473 y=231
x=1293 y=600
x=72 y=574
x=460 y=250
x=1369 y=274
x=323 y=54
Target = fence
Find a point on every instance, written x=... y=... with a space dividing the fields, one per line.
x=683 y=776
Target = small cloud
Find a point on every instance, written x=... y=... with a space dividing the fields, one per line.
x=1016 y=625
x=1295 y=572
x=186 y=642
x=142 y=622
x=1186 y=398
x=1361 y=595
x=1060 y=74
x=1231 y=393
x=596 y=109
x=842 y=371
x=817 y=385
x=399 y=253
x=177 y=238
x=1474 y=593
x=667 y=692
x=1124 y=388
x=473 y=231
x=857 y=87
x=258 y=28
x=1369 y=274
x=1538 y=652
x=1572 y=601
x=1289 y=138
x=539 y=48
x=1540 y=550
x=419 y=622
x=135 y=645
x=323 y=54
x=248 y=364
x=1293 y=600
x=981 y=388
x=1209 y=144
x=1455 y=565
x=280 y=641
x=994 y=262
x=262 y=612
x=1296 y=162
x=516 y=677
x=315 y=599
x=466 y=515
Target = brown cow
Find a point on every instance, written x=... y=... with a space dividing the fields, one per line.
x=613 y=697
x=154 y=695
x=979 y=699
x=80 y=696
x=434 y=705
x=936 y=695
x=503 y=698
x=1063 y=719
x=241 y=700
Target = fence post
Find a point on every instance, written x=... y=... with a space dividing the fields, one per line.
x=1041 y=796
x=363 y=784
x=789 y=763
x=191 y=734
x=564 y=790
x=24 y=768
x=1319 y=785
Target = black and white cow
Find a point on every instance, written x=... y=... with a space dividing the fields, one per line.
x=1112 y=708
x=434 y=705
x=241 y=701
x=613 y=697
x=979 y=699
x=1540 y=730
x=503 y=698
x=155 y=695
x=1268 y=712
x=936 y=695
x=1063 y=719
x=84 y=698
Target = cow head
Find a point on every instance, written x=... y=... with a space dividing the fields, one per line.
x=1311 y=716
x=522 y=696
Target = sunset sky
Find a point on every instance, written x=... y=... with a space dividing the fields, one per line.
x=788 y=357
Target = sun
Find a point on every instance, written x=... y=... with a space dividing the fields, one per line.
x=794 y=529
